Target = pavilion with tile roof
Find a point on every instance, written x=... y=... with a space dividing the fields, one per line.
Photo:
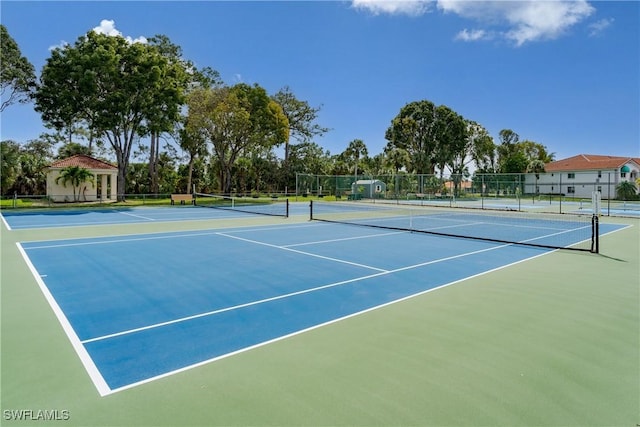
x=103 y=187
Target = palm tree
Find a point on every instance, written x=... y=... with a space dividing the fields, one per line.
x=354 y=150
x=76 y=175
x=626 y=190
x=397 y=158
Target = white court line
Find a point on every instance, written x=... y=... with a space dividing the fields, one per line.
x=136 y=216
x=284 y=248
x=81 y=351
x=133 y=239
x=157 y=235
x=104 y=389
x=320 y=325
x=6 y=224
x=343 y=239
x=291 y=294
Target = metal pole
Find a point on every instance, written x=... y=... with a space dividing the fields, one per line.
x=609 y=194
x=595 y=234
x=560 y=192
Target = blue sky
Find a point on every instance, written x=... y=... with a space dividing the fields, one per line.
x=565 y=74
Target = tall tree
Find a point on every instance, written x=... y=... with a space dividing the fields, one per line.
x=509 y=160
x=535 y=151
x=430 y=134
x=302 y=125
x=9 y=165
x=194 y=142
x=483 y=149
x=17 y=77
x=453 y=144
x=122 y=90
x=515 y=156
x=396 y=158
x=376 y=165
x=234 y=120
x=354 y=150
x=71 y=149
x=308 y=157
x=184 y=75
x=301 y=117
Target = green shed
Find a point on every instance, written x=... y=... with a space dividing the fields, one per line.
x=369 y=188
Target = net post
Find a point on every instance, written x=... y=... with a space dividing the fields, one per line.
x=595 y=234
x=287 y=208
x=310 y=210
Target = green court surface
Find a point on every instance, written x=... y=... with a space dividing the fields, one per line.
x=551 y=341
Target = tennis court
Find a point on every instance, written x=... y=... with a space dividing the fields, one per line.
x=139 y=307
x=80 y=217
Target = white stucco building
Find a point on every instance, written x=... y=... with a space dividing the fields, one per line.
x=581 y=175
x=104 y=185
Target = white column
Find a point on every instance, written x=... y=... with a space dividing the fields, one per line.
x=113 y=194
x=103 y=186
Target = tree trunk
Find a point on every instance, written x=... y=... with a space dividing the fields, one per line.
x=154 y=154
x=191 y=159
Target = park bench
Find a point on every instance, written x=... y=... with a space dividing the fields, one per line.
x=182 y=198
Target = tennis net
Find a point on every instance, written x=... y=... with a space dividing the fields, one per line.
x=252 y=205
x=575 y=232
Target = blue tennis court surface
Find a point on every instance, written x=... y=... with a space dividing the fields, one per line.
x=140 y=307
x=47 y=218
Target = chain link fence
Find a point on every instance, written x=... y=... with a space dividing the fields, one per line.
x=549 y=193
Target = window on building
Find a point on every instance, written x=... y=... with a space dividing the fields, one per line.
x=599 y=188
x=571 y=175
x=599 y=174
x=571 y=190
x=623 y=174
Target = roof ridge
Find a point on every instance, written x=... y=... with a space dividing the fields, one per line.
x=82 y=160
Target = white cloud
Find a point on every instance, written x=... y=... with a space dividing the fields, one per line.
x=473 y=35
x=108 y=27
x=598 y=27
x=60 y=45
x=523 y=21
x=543 y=20
x=520 y=21
x=394 y=7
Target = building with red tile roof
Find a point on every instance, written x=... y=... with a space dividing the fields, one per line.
x=83 y=161
x=581 y=175
x=103 y=186
x=589 y=162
